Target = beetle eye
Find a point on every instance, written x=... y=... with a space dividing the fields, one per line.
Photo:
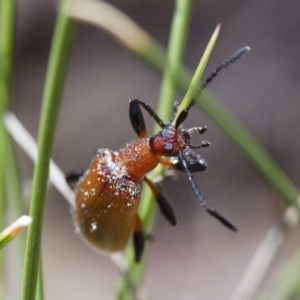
x=168 y=147
x=166 y=133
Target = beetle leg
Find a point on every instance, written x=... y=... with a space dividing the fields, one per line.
x=197 y=164
x=162 y=202
x=137 y=119
x=138 y=239
x=73 y=177
x=200 y=196
x=194 y=166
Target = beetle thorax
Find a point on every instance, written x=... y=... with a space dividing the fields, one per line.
x=137 y=158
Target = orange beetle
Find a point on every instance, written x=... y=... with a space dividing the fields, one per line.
x=108 y=193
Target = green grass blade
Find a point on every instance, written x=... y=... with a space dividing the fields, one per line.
x=176 y=47
x=147 y=211
x=58 y=61
x=3 y=152
x=7 y=38
x=40 y=284
x=9 y=167
x=195 y=82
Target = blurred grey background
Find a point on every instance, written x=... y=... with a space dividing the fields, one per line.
x=198 y=259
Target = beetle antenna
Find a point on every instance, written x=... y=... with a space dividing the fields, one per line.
x=200 y=196
x=234 y=57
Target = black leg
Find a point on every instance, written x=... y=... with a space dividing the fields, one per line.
x=162 y=202
x=193 y=155
x=200 y=197
x=137 y=119
x=194 y=166
x=138 y=239
x=73 y=177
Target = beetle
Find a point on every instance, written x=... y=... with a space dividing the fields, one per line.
x=108 y=193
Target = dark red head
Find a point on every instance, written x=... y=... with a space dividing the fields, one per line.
x=169 y=141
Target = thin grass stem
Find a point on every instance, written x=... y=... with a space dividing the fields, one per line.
x=7 y=38
x=2 y=213
x=177 y=42
x=56 y=73
x=40 y=284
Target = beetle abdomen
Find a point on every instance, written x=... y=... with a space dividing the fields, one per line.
x=106 y=203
